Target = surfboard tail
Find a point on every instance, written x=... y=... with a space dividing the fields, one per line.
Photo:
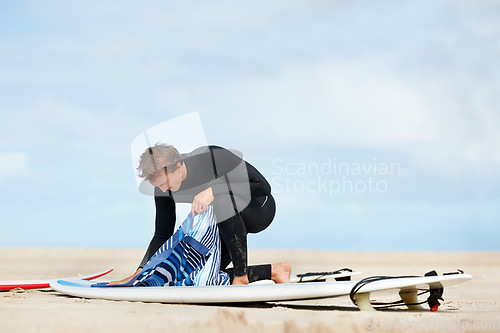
x=360 y=293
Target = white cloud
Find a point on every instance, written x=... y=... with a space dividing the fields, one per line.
x=13 y=166
x=52 y=123
x=367 y=104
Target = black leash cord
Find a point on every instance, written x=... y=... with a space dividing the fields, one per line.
x=323 y=274
x=435 y=292
x=370 y=279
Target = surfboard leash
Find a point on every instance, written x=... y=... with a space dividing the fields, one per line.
x=321 y=276
x=435 y=289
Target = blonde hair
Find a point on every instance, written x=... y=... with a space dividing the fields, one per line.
x=158 y=159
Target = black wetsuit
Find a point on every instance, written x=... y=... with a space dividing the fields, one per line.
x=248 y=211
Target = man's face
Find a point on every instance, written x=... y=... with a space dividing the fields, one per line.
x=168 y=181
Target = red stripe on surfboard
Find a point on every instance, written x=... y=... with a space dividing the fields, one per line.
x=24 y=286
x=44 y=285
x=98 y=275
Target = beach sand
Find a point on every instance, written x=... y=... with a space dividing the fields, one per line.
x=470 y=307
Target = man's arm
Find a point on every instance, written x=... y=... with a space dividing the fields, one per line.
x=164 y=228
x=164 y=224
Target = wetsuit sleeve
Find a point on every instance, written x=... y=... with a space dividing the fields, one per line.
x=164 y=225
x=225 y=162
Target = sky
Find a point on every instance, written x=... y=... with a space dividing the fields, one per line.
x=375 y=122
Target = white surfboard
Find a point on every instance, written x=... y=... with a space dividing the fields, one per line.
x=41 y=284
x=257 y=293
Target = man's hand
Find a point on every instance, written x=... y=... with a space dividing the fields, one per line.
x=202 y=200
x=126 y=279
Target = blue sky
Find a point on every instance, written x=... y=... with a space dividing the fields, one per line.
x=291 y=84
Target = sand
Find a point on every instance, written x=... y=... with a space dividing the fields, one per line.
x=470 y=307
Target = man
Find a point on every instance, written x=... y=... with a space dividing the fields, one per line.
x=212 y=175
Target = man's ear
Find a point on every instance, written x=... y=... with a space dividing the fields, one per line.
x=179 y=165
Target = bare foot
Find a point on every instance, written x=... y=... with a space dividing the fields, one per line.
x=240 y=280
x=280 y=273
